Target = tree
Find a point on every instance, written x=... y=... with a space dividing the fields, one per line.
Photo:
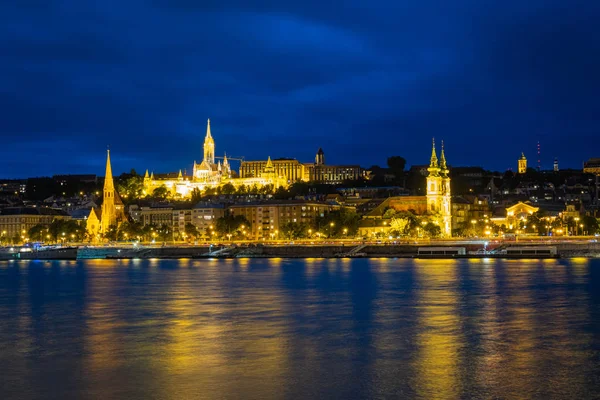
x=339 y=223
x=65 y=230
x=432 y=230
x=196 y=195
x=191 y=231
x=295 y=230
x=165 y=233
x=131 y=188
x=396 y=165
x=130 y=231
x=160 y=192
x=590 y=225
x=112 y=233
x=37 y=233
x=228 y=189
x=233 y=225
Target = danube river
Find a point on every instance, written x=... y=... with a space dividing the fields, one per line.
x=300 y=329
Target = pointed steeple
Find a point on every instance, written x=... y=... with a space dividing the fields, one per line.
x=443 y=158
x=152 y=175
x=225 y=162
x=208 y=135
x=269 y=163
x=108 y=177
x=209 y=147
x=180 y=176
x=434 y=160
x=146 y=176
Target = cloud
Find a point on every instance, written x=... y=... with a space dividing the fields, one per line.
x=364 y=81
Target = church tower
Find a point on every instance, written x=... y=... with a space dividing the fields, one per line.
x=109 y=214
x=446 y=203
x=434 y=184
x=438 y=192
x=522 y=163
x=209 y=147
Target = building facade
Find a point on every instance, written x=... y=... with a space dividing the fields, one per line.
x=15 y=222
x=288 y=168
x=267 y=218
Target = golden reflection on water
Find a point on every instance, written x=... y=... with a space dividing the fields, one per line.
x=232 y=328
x=438 y=340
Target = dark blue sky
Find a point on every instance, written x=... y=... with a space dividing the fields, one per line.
x=363 y=80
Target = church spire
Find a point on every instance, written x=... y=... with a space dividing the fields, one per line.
x=209 y=147
x=434 y=160
x=208 y=135
x=108 y=178
x=443 y=165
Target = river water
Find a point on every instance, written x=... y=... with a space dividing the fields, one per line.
x=300 y=329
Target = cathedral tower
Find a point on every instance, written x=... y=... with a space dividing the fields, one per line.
x=209 y=146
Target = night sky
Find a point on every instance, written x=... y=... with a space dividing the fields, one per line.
x=363 y=79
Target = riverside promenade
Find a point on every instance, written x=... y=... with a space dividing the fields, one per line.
x=579 y=248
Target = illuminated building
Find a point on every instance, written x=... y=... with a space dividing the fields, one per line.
x=515 y=215
x=293 y=171
x=592 y=166
x=438 y=191
x=267 y=218
x=202 y=216
x=436 y=205
x=112 y=211
x=17 y=221
x=211 y=174
x=522 y=164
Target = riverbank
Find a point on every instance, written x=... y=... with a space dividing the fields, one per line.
x=431 y=250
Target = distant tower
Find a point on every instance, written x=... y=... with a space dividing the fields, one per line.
x=556 y=165
x=539 y=164
x=522 y=164
x=226 y=167
x=109 y=214
x=209 y=146
x=320 y=158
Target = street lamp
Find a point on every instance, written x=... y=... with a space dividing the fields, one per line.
x=581 y=226
x=576 y=222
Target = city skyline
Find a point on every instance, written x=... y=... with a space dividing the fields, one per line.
x=123 y=166
x=363 y=83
